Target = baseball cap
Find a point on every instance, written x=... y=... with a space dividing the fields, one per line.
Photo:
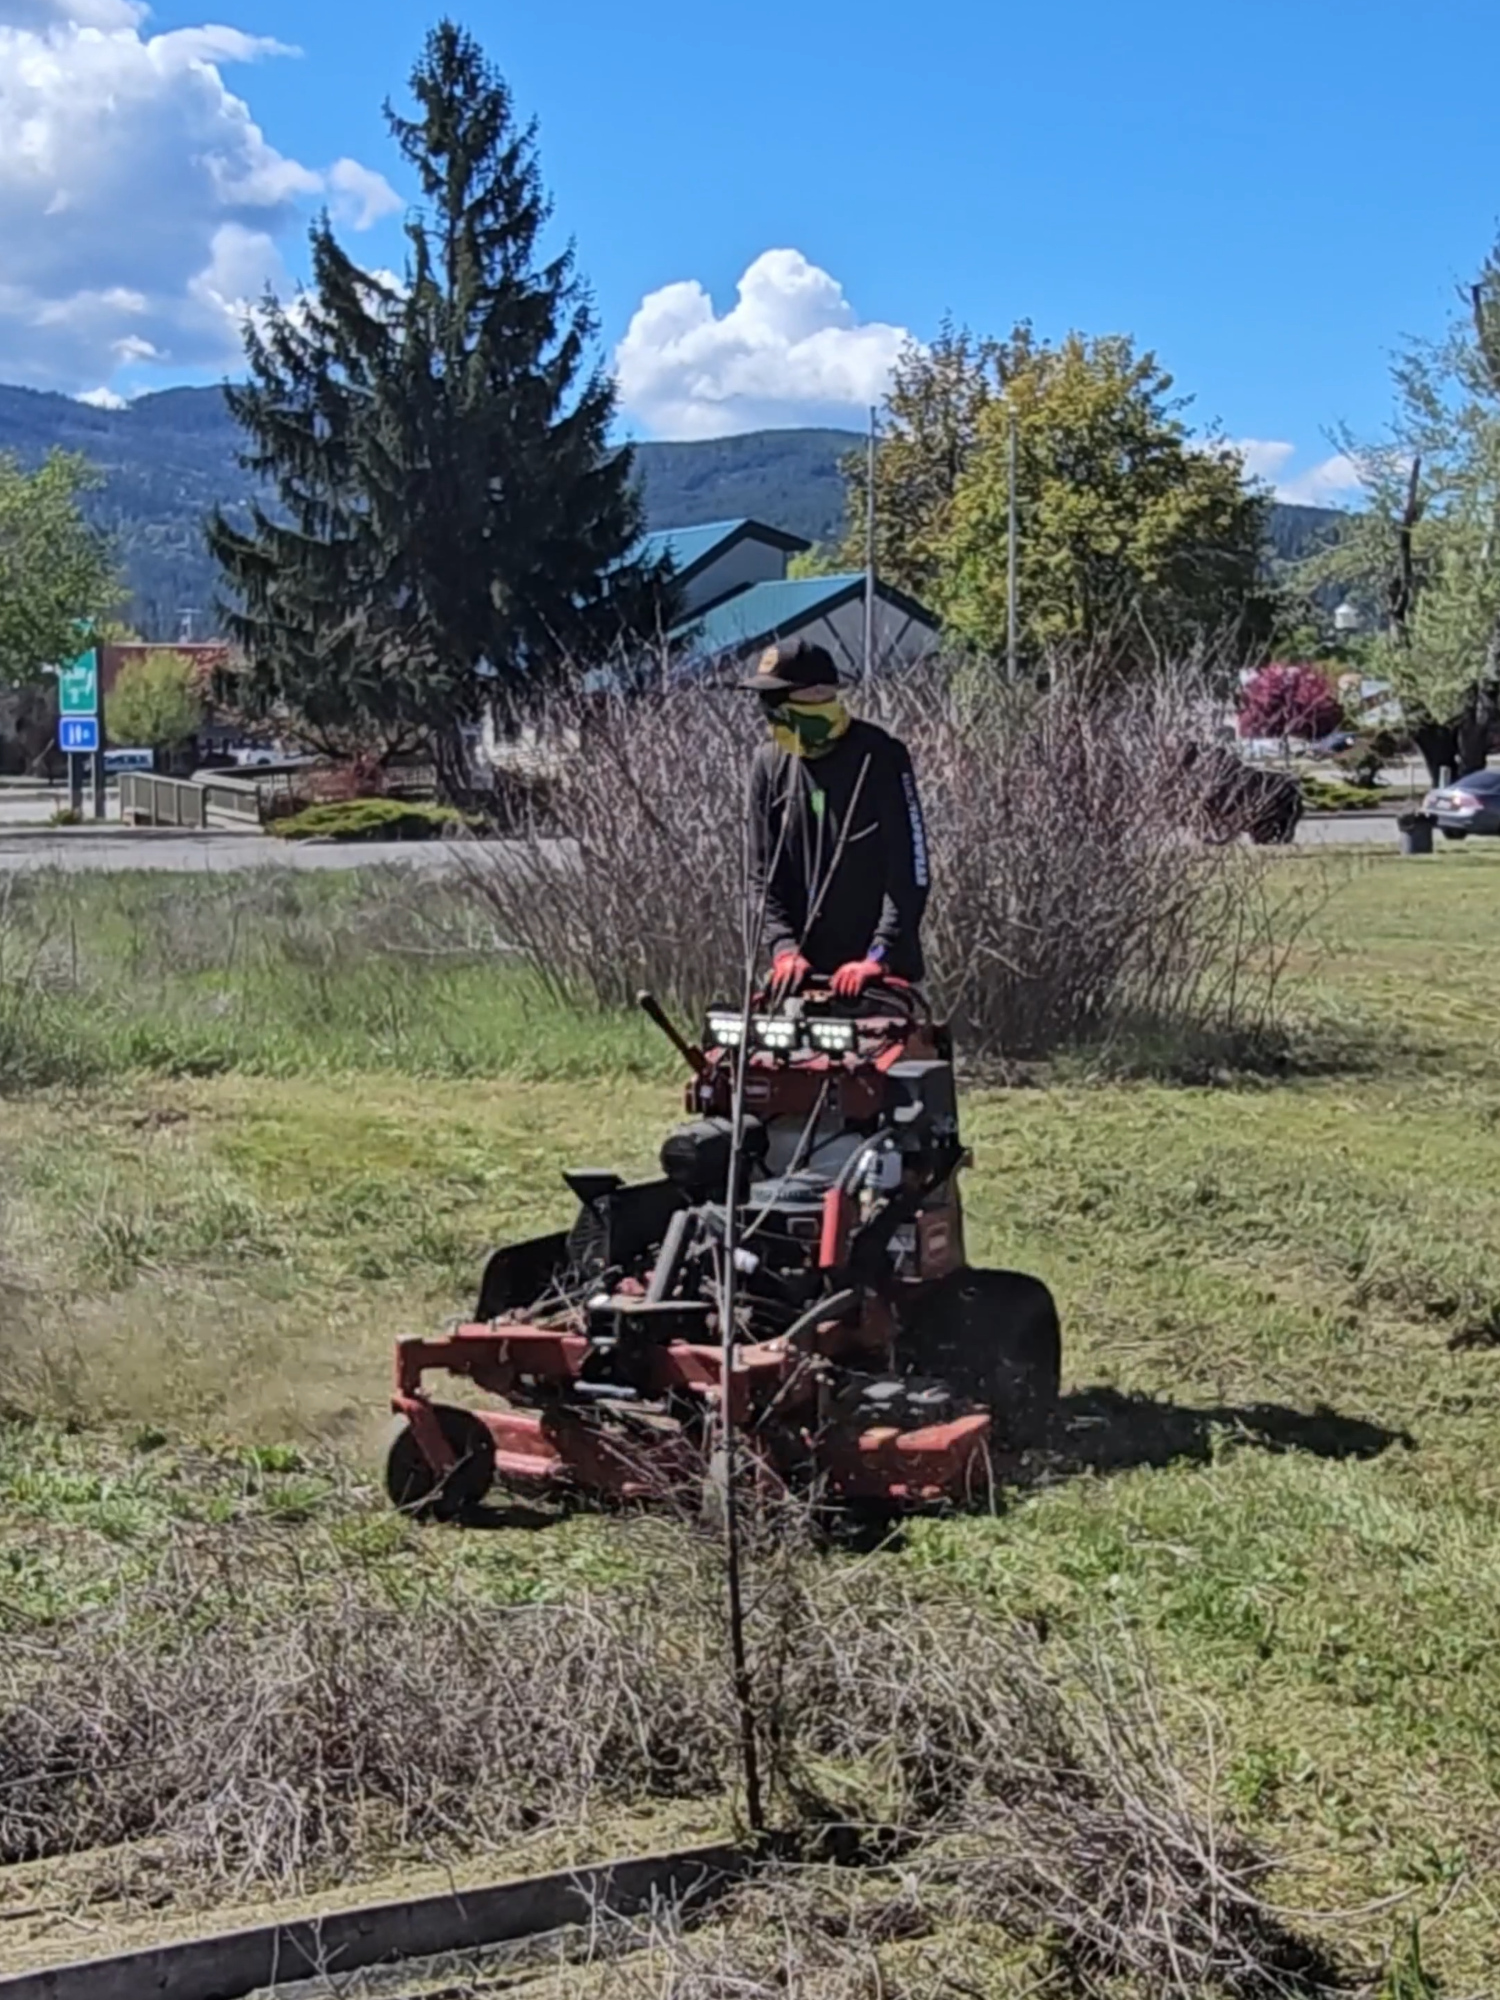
x=786 y=669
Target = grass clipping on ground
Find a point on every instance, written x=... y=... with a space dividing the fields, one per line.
x=201 y=1734
x=288 y=1115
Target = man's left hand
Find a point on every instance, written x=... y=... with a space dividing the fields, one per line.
x=852 y=979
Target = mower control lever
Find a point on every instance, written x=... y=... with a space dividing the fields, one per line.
x=654 y=1012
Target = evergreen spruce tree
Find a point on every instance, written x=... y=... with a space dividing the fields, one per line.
x=454 y=528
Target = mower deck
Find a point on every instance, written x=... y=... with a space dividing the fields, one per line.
x=649 y=1456
x=869 y=1362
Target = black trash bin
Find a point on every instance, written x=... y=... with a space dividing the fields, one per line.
x=1416 y=833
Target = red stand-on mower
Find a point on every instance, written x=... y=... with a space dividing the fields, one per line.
x=870 y=1362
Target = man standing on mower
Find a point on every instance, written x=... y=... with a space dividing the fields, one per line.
x=838 y=850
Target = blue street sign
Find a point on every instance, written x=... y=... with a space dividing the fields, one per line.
x=78 y=734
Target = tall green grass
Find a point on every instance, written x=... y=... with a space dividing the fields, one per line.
x=277 y=974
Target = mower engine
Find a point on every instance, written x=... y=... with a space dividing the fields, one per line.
x=868 y=1360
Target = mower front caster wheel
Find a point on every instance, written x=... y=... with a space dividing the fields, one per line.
x=414 y=1487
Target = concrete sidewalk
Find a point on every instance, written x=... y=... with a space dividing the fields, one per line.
x=191 y=851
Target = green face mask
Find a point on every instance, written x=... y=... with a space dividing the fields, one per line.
x=807 y=729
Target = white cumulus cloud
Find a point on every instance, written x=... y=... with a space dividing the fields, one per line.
x=42 y=14
x=789 y=351
x=1264 y=458
x=141 y=206
x=1325 y=484
x=361 y=197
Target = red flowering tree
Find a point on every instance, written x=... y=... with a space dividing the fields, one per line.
x=1289 y=701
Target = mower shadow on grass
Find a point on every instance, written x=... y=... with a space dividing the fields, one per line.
x=1102 y=1430
x=507 y=1512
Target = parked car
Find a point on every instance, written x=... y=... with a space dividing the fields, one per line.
x=1330 y=746
x=1228 y=799
x=1472 y=805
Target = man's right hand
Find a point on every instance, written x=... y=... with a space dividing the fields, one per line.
x=788 y=970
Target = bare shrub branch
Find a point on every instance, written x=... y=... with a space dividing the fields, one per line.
x=983 y=1786
x=1072 y=903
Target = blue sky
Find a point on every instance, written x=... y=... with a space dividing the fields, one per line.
x=1269 y=196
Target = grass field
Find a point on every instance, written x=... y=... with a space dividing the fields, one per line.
x=254 y=1131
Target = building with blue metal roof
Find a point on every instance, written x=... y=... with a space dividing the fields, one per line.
x=826 y=610
x=714 y=559
x=735 y=598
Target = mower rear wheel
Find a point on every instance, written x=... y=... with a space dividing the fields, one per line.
x=414 y=1487
x=995 y=1336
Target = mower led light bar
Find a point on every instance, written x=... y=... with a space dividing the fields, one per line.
x=782 y=1036
x=773 y=1033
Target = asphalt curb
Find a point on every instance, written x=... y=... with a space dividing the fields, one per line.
x=115 y=830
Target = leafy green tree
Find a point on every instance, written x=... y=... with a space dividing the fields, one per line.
x=56 y=574
x=1134 y=540
x=823 y=559
x=156 y=702
x=1425 y=548
x=930 y=433
x=455 y=530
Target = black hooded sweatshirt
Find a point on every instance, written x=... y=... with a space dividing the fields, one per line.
x=838 y=850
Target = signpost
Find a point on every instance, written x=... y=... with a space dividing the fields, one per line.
x=80 y=726
x=116 y=761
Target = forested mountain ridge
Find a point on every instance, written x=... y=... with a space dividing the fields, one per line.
x=167 y=459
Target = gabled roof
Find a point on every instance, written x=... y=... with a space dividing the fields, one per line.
x=766 y=611
x=692 y=549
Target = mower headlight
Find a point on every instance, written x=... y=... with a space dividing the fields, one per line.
x=726 y=1031
x=833 y=1037
x=773 y=1033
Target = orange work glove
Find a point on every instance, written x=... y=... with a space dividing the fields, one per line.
x=852 y=979
x=788 y=970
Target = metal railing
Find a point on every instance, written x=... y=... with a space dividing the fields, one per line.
x=197 y=803
x=239 y=800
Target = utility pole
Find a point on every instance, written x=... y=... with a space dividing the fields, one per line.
x=101 y=803
x=869 y=674
x=1010 y=556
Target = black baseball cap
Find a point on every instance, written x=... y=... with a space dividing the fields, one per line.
x=786 y=669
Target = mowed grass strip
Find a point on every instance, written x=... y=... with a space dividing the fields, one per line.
x=1279 y=1473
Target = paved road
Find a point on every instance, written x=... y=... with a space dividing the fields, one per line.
x=215 y=855
x=227 y=853
x=20 y=807
x=1377 y=830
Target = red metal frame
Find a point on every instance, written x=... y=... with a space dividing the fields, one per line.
x=773 y=1395
x=773 y=1402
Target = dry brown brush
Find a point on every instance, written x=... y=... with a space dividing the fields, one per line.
x=273 y=1752
x=935 y=1748
x=1073 y=902
x=634 y=874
